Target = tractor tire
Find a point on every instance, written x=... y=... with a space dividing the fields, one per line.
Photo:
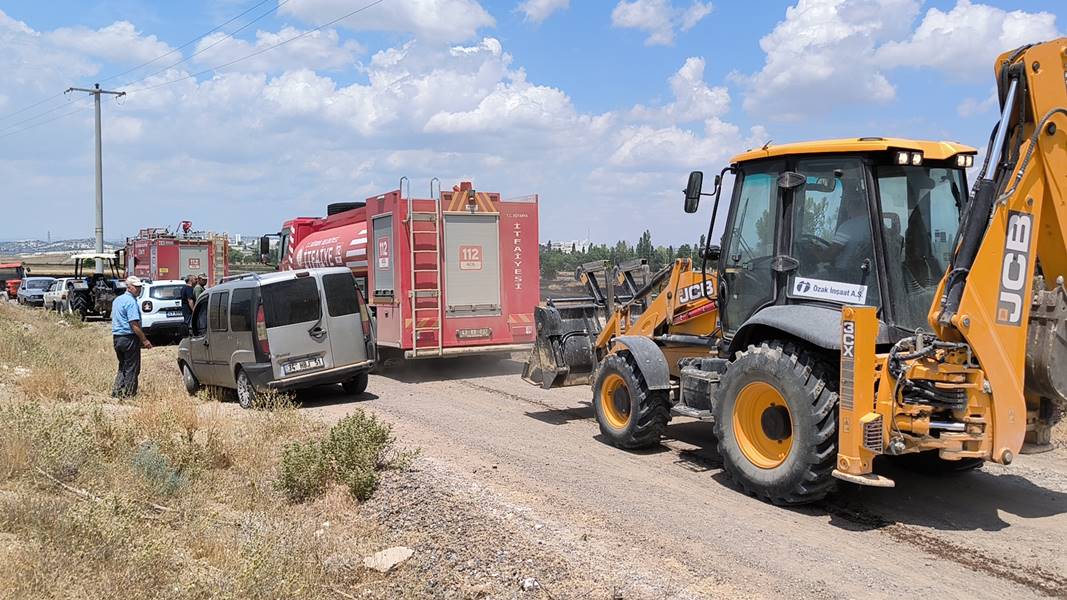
x=930 y=463
x=775 y=418
x=79 y=306
x=357 y=385
x=192 y=384
x=246 y=392
x=630 y=415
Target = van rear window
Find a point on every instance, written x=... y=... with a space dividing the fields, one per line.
x=292 y=301
x=341 y=296
x=166 y=292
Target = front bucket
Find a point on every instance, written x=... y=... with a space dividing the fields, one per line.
x=563 y=352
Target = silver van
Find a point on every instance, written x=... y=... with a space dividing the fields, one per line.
x=282 y=331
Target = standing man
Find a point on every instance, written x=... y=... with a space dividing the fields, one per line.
x=201 y=281
x=188 y=300
x=128 y=339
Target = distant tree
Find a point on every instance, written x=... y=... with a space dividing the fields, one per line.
x=645 y=249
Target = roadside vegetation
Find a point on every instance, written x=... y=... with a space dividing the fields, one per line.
x=169 y=496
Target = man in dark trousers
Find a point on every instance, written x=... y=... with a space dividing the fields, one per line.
x=128 y=339
x=188 y=299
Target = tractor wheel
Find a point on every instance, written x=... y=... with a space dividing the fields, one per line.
x=357 y=385
x=629 y=414
x=192 y=384
x=79 y=306
x=776 y=422
x=930 y=463
x=246 y=392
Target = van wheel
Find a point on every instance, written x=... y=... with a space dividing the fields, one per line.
x=246 y=392
x=192 y=384
x=357 y=385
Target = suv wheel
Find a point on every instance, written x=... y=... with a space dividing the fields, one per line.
x=246 y=392
x=192 y=384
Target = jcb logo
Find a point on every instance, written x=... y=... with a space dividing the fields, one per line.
x=692 y=293
x=1014 y=269
x=848 y=339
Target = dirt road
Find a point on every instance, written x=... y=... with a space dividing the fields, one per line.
x=667 y=522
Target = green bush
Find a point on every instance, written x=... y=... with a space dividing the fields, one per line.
x=304 y=471
x=352 y=453
x=158 y=470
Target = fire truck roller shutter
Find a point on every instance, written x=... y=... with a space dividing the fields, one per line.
x=472 y=264
x=382 y=255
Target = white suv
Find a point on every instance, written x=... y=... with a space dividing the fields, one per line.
x=161 y=309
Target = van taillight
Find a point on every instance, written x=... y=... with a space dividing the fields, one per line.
x=146 y=306
x=261 y=330
x=366 y=327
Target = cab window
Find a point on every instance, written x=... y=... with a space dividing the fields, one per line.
x=200 y=319
x=217 y=306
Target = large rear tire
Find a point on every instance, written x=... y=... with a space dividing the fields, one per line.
x=79 y=306
x=630 y=415
x=776 y=422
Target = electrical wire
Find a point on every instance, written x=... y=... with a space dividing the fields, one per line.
x=34 y=105
x=190 y=42
x=45 y=122
x=260 y=51
x=209 y=46
x=37 y=116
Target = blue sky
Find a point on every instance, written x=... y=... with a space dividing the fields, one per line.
x=601 y=107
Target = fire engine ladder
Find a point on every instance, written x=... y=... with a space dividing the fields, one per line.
x=421 y=246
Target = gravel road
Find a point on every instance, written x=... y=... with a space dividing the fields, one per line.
x=667 y=523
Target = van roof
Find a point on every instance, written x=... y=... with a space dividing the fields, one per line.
x=254 y=279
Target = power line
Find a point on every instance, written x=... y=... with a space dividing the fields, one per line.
x=45 y=122
x=161 y=56
x=261 y=51
x=189 y=43
x=35 y=117
x=210 y=46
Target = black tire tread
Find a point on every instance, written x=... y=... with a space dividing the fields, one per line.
x=818 y=377
x=653 y=414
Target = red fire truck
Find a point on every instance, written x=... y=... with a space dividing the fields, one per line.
x=159 y=254
x=452 y=275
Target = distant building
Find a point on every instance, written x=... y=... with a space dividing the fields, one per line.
x=570 y=246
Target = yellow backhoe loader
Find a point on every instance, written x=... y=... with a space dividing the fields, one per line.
x=862 y=305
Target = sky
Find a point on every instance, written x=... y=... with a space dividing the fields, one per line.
x=241 y=114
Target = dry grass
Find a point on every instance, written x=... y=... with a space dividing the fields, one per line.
x=166 y=496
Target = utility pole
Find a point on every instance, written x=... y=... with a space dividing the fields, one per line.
x=96 y=92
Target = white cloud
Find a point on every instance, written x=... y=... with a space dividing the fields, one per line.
x=829 y=53
x=971 y=107
x=659 y=18
x=438 y=20
x=821 y=55
x=317 y=50
x=964 y=41
x=119 y=42
x=694 y=99
x=539 y=10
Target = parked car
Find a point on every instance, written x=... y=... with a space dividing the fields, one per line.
x=31 y=290
x=282 y=331
x=58 y=296
x=161 y=309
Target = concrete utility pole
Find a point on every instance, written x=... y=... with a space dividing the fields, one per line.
x=96 y=91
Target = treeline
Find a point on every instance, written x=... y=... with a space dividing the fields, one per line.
x=556 y=261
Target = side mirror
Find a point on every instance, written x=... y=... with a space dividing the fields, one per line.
x=693 y=190
x=264 y=249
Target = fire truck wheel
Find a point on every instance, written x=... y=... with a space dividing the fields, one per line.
x=357 y=385
x=192 y=384
x=776 y=422
x=629 y=414
x=246 y=392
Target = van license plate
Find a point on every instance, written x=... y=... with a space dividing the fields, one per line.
x=298 y=366
x=467 y=334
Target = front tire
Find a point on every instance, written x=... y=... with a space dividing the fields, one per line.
x=192 y=384
x=246 y=392
x=630 y=415
x=357 y=385
x=776 y=422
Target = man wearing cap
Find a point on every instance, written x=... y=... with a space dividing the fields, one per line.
x=128 y=339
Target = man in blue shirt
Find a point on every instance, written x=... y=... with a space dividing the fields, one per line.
x=128 y=339
x=188 y=300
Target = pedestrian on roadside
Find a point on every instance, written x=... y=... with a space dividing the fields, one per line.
x=188 y=300
x=201 y=283
x=128 y=338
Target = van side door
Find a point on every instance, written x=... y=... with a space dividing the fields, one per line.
x=199 y=344
x=221 y=347
x=342 y=318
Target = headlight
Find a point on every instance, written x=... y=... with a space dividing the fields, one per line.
x=965 y=160
x=909 y=158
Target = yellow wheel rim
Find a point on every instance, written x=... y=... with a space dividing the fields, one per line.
x=615 y=401
x=763 y=425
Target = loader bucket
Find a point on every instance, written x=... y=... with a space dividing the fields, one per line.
x=563 y=352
